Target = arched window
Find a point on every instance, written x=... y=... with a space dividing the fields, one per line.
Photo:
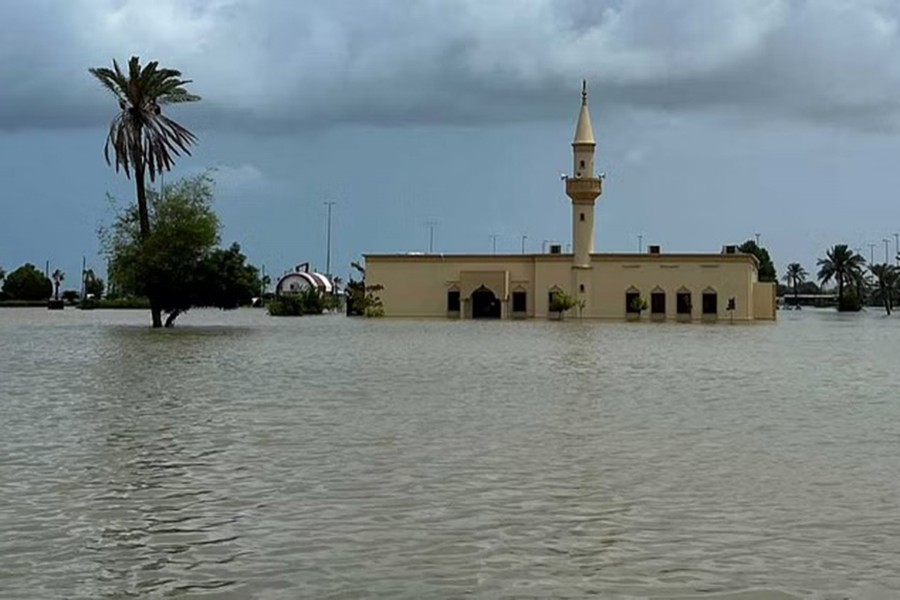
x=710 y=302
x=519 y=300
x=632 y=296
x=453 y=300
x=683 y=302
x=658 y=301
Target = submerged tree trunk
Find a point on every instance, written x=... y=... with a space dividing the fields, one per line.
x=170 y=320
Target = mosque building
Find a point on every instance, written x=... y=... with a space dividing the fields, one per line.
x=656 y=285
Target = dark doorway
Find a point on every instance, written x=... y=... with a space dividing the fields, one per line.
x=485 y=304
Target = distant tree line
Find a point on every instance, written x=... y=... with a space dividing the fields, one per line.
x=857 y=283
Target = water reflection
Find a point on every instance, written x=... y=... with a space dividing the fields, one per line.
x=352 y=458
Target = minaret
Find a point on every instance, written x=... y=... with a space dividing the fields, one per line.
x=583 y=187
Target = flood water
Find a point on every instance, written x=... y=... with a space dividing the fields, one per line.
x=243 y=456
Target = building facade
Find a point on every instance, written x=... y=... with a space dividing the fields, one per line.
x=673 y=286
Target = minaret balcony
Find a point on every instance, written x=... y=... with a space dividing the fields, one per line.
x=581 y=187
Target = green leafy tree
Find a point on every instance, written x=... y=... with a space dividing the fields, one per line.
x=2 y=274
x=141 y=139
x=886 y=278
x=794 y=276
x=27 y=283
x=93 y=285
x=178 y=264
x=766 y=270
x=363 y=299
x=845 y=268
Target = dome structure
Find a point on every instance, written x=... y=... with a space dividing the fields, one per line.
x=301 y=279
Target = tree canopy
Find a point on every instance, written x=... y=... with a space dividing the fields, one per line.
x=27 y=283
x=179 y=263
x=766 y=266
x=142 y=139
x=845 y=267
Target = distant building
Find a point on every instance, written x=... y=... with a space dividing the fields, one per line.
x=675 y=286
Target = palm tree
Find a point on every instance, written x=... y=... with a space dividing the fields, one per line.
x=844 y=267
x=794 y=276
x=57 y=277
x=142 y=139
x=887 y=277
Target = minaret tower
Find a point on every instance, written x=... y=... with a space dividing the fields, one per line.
x=583 y=187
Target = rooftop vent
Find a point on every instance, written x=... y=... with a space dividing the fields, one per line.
x=555 y=248
x=730 y=250
x=653 y=249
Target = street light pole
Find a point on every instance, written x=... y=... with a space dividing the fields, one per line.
x=757 y=238
x=871 y=253
x=328 y=204
x=640 y=244
x=897 y=248
x=524 y=237
x=494 y=237
x=887 y=259
x=431 y=226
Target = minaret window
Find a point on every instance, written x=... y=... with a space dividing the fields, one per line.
x=582 y=216
x=582 y=164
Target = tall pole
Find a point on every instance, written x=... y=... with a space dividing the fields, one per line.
x=329 y=204
x=871 y=253
x=494 y=237
x=897 y=248
x=640 y=244
x=887 y=259
x=431 y=225
x=524 y=237
x=757 y=238
x=83 y=275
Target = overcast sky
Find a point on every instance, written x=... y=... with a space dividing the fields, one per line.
x=715 y=120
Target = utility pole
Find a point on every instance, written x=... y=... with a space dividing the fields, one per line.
x=871 y=253
x=524 y=237
x=83 y=275
x=494 y=237
x=329 y=204
x=887 y=259
x=431 y=225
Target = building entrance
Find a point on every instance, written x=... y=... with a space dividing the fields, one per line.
x=485 y=304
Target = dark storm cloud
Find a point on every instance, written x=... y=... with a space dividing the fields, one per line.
x=267 y=65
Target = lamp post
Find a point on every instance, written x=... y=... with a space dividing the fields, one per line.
x=887 y=259
x=494 y=237
x=640 y=244
x=328 y=204
x=897 y=248
x=757 y=238
x=871 y=253
x=524 y=237
x=431 y=225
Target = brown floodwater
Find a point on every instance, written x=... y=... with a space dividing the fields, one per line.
x=243 y=456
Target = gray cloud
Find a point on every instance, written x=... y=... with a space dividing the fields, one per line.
x=267 y=65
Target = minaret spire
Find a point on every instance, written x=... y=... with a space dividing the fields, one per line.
x=584 y=133
x=583 y=187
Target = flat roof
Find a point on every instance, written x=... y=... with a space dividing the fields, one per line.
x=603 y=256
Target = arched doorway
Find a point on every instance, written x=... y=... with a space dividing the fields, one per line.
x=485 y=304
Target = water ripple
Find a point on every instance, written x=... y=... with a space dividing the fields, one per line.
x=240 y=457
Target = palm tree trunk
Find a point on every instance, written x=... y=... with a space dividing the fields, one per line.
x=840 y=281
x=144 y=216
x=796 y=295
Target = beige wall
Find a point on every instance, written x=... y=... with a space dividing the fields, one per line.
x=765 y=301
x=417 y=286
